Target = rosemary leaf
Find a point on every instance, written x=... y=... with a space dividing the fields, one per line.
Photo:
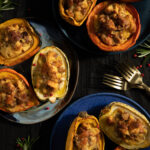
x=146 y=59
x=144 y=49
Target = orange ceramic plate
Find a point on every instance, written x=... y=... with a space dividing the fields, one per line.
x=95 y=39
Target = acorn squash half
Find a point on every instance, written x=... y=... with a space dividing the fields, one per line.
x=18 y=41
x=50 y=74
x=15 y=92
x=112 y=31
x=125 y=126
x=84 y=133
x=75 y=12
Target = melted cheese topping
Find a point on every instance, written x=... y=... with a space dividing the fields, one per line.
x=14 y=40
x=115 y=25
x=77 y=9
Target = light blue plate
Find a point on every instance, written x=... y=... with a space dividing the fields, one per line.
x=92 y=104
x=45 y=110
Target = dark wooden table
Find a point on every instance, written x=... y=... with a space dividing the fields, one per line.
x=92 y=68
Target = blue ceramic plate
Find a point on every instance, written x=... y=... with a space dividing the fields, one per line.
x=45 y=110
x=92 y=104
x=79 y=36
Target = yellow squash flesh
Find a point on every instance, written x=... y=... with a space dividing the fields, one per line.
x=69 y=19
x=83 y=117
x=24 y=55
x=59 y=94
x=111 y=129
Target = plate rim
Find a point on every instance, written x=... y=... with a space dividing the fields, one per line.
x=92 y=95
x=14 y=120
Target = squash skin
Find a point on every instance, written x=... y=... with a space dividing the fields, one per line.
x=30 y=52
x=123 y=47
x=71 y=20
x=34 y=101
x=106 y=112
x=82 y=117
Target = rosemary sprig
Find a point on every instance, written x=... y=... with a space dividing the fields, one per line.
x=26 y=143
x=144 y=50
x=6 y=5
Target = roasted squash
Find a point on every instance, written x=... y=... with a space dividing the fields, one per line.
x=15 y=92
x=75 y=12
x=113 y=26
x=85 y=127
x=18 y=41
x=50 y=74
x=125 y=126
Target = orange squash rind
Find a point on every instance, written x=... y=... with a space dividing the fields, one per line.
x=27 y=54
x=7 y=73
x=95 y=39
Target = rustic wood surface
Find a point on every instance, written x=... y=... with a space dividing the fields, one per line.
x=92 y=68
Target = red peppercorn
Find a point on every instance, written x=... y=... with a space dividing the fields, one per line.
x=135 y=55
x=148 y=65
x=40 y=34
x=137 y=67
x=22 y=139
x=41 y=54
x=33 y=64
x=18 y=145
x=47 y=108
x=142 y=74
x=140 y=66
x=50 y=94
x=45 y=95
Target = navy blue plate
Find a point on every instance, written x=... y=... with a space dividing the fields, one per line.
x=79 y=36
x=92 y=104
x=40 y=113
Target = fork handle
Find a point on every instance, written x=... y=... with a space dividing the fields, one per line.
x=146 y=87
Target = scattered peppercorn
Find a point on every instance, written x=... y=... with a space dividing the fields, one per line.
x=142 y=74
x=137 y=67
x=135 y=55
x=140 y=66
x=41 y=54
x=50 y=94
x=148 y=65
x=47 y=108
x=33 y=64
x=40 y=34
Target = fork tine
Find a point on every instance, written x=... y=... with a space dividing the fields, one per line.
x=131 y=68
x=113 y=78
x=112 y=81
x=111 y=85
x=123 y=72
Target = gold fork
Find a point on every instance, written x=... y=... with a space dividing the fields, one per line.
x=132 y=75
x=117 y=82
